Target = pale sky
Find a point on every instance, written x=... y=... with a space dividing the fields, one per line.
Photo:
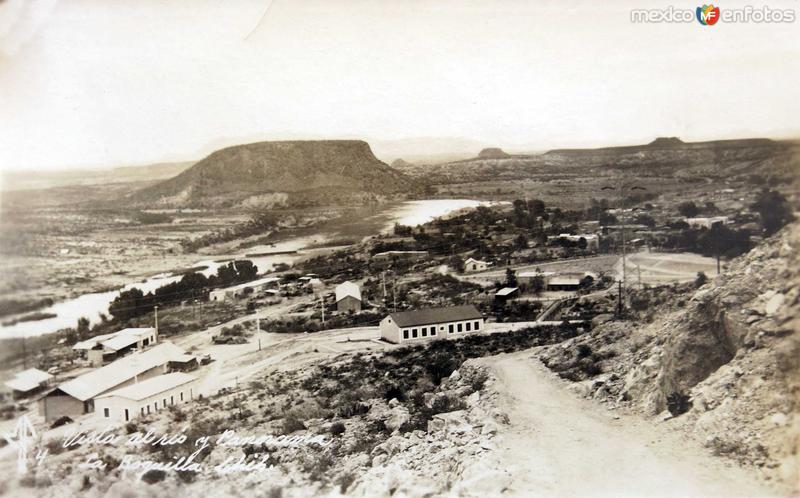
x=109 y=83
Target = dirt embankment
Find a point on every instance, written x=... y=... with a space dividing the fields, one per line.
x=723 y=358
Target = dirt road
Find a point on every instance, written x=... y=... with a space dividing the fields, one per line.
x=559 y=445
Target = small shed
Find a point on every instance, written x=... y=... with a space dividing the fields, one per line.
x=506 y=293
x=348 y=297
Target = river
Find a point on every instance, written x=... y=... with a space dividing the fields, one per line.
x=93 y=305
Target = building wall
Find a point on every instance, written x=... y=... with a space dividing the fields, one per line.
x=392 y=333
x=348 y=303
x=117 y=405
x=55 y=406
x=217 y=295
x=475 y=266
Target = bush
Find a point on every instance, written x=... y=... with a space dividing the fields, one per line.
x=678 y=403
x=584 y=350
x=701 y=279
x=292 y=424
x=337 y=429
x=153 y=476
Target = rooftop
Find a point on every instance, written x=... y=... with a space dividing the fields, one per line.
x=346 y=289
x=102 y=379
x=152 y=386
x=28 y=380
x=253 y=283
x=435 y=315
x=505 y=291
x=116 y=340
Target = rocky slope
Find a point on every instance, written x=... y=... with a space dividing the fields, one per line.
x=731 y=348
x=305 y=170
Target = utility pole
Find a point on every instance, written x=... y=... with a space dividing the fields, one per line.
x=394 y=292
x=155 y=309
x=322 y=305
x=258 y=332
x=619 y=298
x=621 y=189
x=383 y=275
x=639 y=271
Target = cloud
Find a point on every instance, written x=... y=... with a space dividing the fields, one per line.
x=20 y=20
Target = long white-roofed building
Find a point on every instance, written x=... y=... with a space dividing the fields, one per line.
x=145 y=397
x=76 y=397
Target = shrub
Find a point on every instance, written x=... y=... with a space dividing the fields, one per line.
x=153 y=476
x=292 y=424
x=701 y=279
x=337 y=429
x=584 y=350
x=678 y=403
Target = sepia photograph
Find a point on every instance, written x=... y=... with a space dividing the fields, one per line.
x=399 y=248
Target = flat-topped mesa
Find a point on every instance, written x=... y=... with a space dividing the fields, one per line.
x=337 y=166
x=493 y=153
x=666 y=142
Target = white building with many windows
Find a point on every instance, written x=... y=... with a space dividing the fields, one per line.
x=432 y=323
x=148 y=396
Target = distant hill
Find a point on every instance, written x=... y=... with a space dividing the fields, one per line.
x=672 y=143
x=400 y=164
x=305 y=172
x=665 y=157
x=493 y=153
x=43 y=179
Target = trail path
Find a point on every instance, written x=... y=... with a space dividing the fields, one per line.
x=559 y=445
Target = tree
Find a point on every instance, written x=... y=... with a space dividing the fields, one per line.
x=688 y=209
x=582 y=243
x=774 y=210
x=83 y=326
x=521 y=242
x=130 y=303
x=537 y=284
x=511 y=278
x=457 y=264
x=607 y=218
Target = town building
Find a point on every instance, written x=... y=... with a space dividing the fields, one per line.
x=242 y=290
x=103 y=349
x=386 y=259
x=526 y=278
x=76 y=397
x=145 y=397
x=28 y=382
x=707 y=222
x=592 y=240
x=506 y=294
x=552 y=281
x=432 y=323
x=473 y=264
x=348 y=297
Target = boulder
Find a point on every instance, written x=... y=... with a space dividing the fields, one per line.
x=397 y=417
x=773 y=304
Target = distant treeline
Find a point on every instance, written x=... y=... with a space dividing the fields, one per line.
x=133 y=302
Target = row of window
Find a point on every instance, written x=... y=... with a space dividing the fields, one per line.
x=146 y=409
x=451 y=328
